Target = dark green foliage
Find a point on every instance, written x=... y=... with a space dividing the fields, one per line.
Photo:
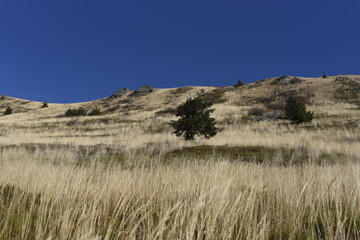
x=194 y=119
x=239 y=84
x=75 y=112
x=8 y=111
x=95 y=112
x=295 y=111
x=324 y=75
x=44 y=105
x=2 y=97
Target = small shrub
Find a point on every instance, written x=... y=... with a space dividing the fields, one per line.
x=324 y=75
x=256 y=111
x=75 y=112
x=8 y=111
x=94 y=112
x=2 y=97
x=295 y=111
x=239 y=84
x=44 y=105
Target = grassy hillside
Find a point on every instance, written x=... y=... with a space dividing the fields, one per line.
x=124 y=175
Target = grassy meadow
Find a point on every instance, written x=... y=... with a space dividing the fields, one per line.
x=128 y=177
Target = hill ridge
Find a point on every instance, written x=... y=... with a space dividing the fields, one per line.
x=267 y=93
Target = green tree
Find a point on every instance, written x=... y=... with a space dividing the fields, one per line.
x=239 y=83
x=194 y=119
x=44 y=105
x=324 y=75
x=295 y=111
x=8 y=111
x=75 y=112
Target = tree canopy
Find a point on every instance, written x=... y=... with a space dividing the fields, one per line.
x=194 y=119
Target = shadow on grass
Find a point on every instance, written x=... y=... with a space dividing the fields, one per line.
x=254 y=154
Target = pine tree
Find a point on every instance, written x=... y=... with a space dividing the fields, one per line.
x=8 y=111
x=239 y=83
x=295 y=111
x=44 y=105
x=194 y=119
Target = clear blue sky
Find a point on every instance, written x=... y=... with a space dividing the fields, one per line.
x=72 y=51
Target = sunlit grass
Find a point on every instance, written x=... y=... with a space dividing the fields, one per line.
x=129 y=177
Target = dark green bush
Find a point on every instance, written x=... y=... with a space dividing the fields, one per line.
x=8 y=111
x=75 y=112
x=194 y=119
x=239 y=84
x=324 y=75
x=44 y=105
x=295 y=111
x=95 y=112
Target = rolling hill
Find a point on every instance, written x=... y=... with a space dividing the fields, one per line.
x=269 y=93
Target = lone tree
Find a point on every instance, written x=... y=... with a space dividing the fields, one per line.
x=194 y=119
x=8 y=111
x=239 y=83
x=44 y=105
x=295 y=111
x=324 y=75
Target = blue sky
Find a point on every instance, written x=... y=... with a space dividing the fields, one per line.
x=73 y=51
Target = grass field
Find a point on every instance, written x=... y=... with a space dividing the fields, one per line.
x=116 y=177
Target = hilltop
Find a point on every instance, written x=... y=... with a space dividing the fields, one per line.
x=134 y=119
x=268 y=93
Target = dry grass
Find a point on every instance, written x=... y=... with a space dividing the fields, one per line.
x=125 y=176
x=48 y=195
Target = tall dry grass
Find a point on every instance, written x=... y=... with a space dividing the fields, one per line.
x=108 y=177
x=49 y=195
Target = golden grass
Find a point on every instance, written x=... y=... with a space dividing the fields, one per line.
x=47 y=195
x=107 y=177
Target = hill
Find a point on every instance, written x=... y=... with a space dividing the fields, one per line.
x=124 y=175
x=268 y=93
x=135 y=119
